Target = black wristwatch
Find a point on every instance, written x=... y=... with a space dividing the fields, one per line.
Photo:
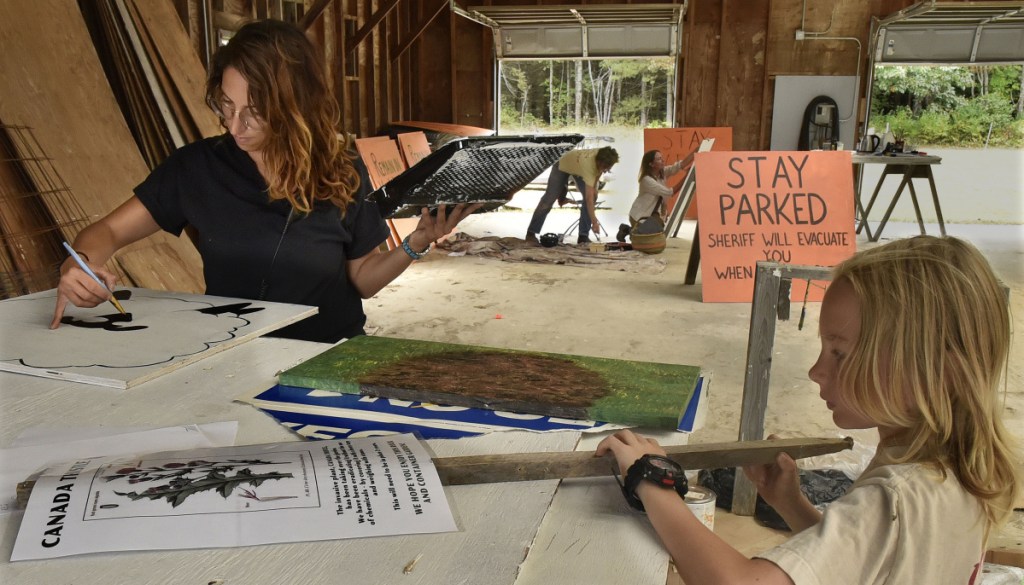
x=661 y=471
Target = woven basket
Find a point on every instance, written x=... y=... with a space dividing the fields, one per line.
x=648 y=243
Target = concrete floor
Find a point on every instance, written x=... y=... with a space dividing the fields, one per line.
x=650 y=317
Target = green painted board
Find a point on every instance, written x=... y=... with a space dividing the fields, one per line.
x=570 y=386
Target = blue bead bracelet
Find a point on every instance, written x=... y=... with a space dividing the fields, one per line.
x=408 y=249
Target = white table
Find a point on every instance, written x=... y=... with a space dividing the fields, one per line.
x=538 y=532
x=906 y=166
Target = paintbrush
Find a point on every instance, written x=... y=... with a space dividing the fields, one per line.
x=81 y=264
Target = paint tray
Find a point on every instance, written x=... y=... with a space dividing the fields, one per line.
x=479 y=169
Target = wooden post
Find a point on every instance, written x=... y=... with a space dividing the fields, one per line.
x=764 y=312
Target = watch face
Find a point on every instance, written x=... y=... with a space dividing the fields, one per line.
x=663 y=463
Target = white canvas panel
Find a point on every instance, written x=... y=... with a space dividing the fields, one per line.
x=99 y=346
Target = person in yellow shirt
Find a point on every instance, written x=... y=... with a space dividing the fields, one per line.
x=585 y=167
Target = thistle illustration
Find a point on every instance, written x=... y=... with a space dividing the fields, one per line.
x=186 y=479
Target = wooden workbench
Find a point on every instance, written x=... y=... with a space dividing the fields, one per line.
x=511 y=533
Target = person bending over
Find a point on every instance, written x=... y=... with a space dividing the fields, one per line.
x=585 y=167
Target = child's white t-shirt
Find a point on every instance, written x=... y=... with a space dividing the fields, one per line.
x=898 y=524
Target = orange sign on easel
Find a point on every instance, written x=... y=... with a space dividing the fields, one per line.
x=787 y=207
x=676 y=144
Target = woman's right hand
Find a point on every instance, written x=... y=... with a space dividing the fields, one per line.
x=80 y=289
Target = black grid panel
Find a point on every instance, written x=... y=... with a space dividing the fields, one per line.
x=486 y=170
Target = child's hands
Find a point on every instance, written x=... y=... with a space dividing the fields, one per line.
x=627 y=447
x=778 y=483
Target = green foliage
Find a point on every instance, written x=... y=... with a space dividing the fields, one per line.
x=949 y=106
x=614 y=91
x=919 y=87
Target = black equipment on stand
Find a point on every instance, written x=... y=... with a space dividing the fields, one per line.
x=819 y=129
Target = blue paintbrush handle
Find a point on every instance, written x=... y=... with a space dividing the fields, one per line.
x=81 y=264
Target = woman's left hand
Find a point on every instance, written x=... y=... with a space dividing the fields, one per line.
x=627 y=447
x=432 y=228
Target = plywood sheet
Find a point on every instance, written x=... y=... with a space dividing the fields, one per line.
x=570 y=386
x=180 y=61
x=98 y=346
x=63 y=95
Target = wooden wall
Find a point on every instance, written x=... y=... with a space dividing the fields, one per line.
x=393 y=61
x=423 y=62
x=396 y=60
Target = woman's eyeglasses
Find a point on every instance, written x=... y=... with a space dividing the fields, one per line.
x=226 y=112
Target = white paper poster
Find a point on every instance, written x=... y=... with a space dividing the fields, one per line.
x=34 y=449
x=235 y=496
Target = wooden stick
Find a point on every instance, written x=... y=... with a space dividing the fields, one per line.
x=472 y=469
x=536 y=466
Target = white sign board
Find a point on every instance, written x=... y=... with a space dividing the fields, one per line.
x=100 y=346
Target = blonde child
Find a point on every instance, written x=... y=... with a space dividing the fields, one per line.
x=915 y=335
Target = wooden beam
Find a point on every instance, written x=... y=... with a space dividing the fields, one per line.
x=371 y=24
x=474 y=469
x=404 y=46
x=537 y=466
x=314 y=13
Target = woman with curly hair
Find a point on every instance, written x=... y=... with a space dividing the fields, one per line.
x=276 y=204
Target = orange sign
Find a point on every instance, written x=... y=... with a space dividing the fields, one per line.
x=786 y=207
x=414 y=147
x=676 y=144
x=381 y=157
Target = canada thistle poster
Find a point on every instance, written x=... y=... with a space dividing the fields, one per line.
x=284 y=492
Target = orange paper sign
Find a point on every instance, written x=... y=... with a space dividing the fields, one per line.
x=676 y=144
x=382 y=159
x=414 y=147
x=786 y=207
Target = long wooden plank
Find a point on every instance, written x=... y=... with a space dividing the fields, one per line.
x=535 y=466
x=149 y=75
x=181 y=61
x=511 y=467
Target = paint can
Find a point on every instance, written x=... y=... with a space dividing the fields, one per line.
x=701 y=502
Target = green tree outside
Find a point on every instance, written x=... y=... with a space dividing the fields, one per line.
x=972 y=106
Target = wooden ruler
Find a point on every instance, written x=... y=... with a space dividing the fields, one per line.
x=472 y=469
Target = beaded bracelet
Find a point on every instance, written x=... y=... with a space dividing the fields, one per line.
x=409 y=251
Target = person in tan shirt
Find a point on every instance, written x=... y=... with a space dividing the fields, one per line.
x=585 y=167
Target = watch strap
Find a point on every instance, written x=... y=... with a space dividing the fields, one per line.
x=642 y=469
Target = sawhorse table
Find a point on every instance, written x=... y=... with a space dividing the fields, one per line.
x=907 y=166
